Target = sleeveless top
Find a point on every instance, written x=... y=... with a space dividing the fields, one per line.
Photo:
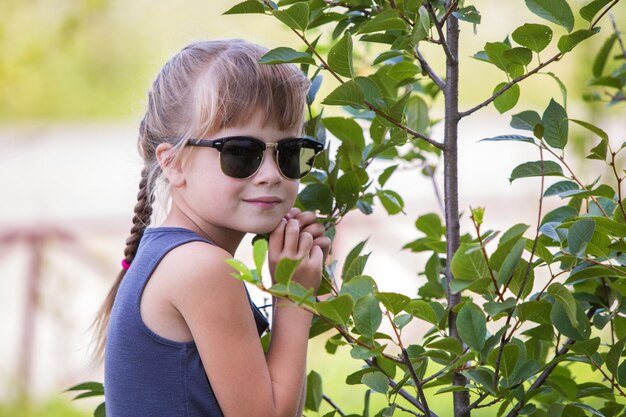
x=146 y=374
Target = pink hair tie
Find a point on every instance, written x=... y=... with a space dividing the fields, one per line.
x=125 y=265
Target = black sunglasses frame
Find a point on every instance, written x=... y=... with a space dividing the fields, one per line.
x=219 y=143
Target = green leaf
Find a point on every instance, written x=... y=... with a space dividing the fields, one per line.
x=347 y=94
x=511 y=261
x=579 y=235
x=392 y=301
x=337 y=309
x=403 y=70
x=251 y=6
x=296 y=17
x=430 y=224
x=340 y=56
x=507 y=100
x=569 y=41
x=346 y=130
x=600 y=61
x=614 y=355
x=259 y=251
x=589 y=11
x=536 y=169
x=493 y=308
x=535 y=311
x=388 y=19
x=555 y=11
x=483 y=377
x=317 y=197
x=558 y=291
x=560 y=187
x=284 y=55
x=100 y=410
x=469 y=263
x=560 y=319
x=472 y=326
x=521 y=56
x=422 y=310
x=382 y=179
x=526 y=120
x=355 y=268
x=593 y=272
x=313 y=391
x=377 y=381
x=285 y=269
x=555 y=120
x=391 y=201
x=533 y=36
x=358 y=286
x=495 y=54
x=347 y=189
x=367 y=315
x=514 y=138
x=587 y=408
x=587 y=348
x=244 y=272
x=468 y=14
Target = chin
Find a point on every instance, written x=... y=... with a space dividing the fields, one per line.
x=263 y=229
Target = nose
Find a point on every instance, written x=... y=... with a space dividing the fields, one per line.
x=268 y=172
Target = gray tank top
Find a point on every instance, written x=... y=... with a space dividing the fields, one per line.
x=146 y=374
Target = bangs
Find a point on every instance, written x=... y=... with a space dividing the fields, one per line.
x=235 y=88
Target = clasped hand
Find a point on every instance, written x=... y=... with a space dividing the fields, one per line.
x=299 y=236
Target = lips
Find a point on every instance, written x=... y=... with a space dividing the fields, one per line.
x=265 y=202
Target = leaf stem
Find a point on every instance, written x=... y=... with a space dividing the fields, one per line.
x=509 y=85
x=333 y=405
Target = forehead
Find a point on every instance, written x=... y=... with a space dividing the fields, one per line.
x=260 y=126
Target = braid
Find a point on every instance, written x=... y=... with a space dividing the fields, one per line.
x=143 y=213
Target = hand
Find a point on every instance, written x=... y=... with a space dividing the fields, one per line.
x=287 y=240
x=308 y=223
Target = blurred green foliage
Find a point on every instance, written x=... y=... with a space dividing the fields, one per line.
x=51 y=408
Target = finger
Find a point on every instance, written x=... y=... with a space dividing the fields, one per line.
x=324 y=244
x=277 y=238
x=316 y=255
x=305 y=242
x=306 y=218
x=315 y=229
x=292 y=234
x=292 y=213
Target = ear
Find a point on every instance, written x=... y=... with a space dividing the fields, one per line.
x=171 y=167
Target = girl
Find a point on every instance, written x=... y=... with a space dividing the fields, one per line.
x=182 y=336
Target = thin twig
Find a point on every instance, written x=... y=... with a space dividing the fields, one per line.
x=438 y=26
x=406 y=410
x=451 y=9
x=617 y=34
x=394 y=6
x=605 y=11
x=429 y=70
x=484 y=252
x=509 y=85
x=418 y=383
x=333 y=405
x=619 y=185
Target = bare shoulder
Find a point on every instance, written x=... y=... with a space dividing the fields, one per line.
x=198 y=268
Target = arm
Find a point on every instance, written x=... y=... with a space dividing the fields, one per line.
x=228 y=342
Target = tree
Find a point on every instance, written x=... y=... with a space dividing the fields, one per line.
x=555 y=298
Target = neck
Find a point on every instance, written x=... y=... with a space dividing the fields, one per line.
x=226 y=239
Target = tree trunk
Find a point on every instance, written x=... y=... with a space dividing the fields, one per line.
x=451 y=93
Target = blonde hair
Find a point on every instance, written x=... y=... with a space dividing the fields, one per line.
x=205 y=87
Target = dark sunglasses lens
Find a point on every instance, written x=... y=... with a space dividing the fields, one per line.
x=240 y=158
x=295 y=158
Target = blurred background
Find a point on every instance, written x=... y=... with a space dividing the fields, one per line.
x=73 y=81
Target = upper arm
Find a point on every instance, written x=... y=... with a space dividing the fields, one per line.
x=217 y=311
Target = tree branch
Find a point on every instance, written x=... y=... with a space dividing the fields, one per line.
x=509 y=85
x=431 y=73
x=333 y=405
x=439 y=28
x=605 y=11
x=418 y=383
x=484 y=252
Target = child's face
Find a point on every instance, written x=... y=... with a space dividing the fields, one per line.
x=251 y=205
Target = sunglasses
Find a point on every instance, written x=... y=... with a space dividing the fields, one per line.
x=242 y=156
